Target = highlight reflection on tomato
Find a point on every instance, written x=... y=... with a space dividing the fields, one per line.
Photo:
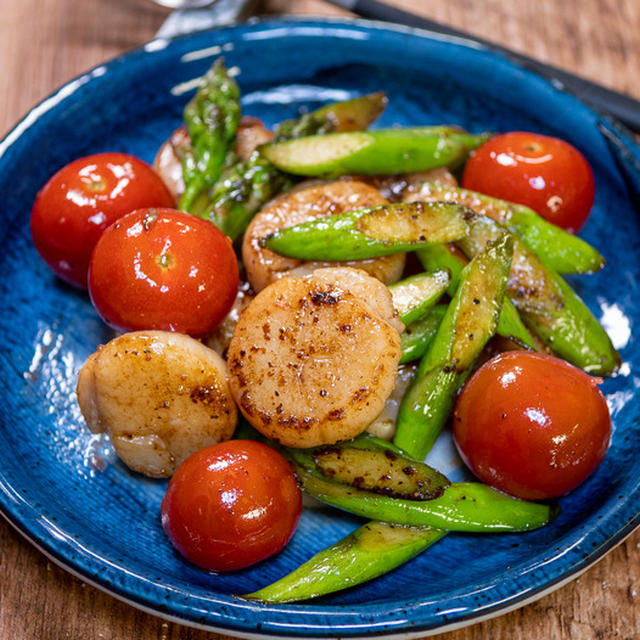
x=547 y=174
x=81 y=200
x=163 y=269
x=231 y=505
x=531 y=425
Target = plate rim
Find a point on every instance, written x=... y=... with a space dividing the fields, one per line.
x=463 y=622
x=470 y=617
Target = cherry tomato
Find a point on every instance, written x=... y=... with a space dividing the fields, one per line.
x=547 y=174
x=231 y=505
x=163 y=269
x=81 y=200
x=531 y=425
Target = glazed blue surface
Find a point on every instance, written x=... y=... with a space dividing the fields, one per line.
x=65 y=490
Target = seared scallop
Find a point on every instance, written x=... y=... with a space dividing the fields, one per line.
x=167 y=161
x=160 y=396
x=369 y=290
x=251 y=133
x=264 y=266
x=310 y=364
x=396 y=188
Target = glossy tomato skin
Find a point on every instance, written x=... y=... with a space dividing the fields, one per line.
x=81 y=200
x=231 y=505
x=547 y=174
x=531 y=425
x=163 y=269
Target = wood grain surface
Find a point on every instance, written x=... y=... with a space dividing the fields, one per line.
x=44 y=43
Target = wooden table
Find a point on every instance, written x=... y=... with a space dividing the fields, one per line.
x=44 y=43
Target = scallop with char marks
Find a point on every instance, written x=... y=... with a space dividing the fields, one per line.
x=160 y=396
x=397 y=188
x=369 y=290
x=310 y=364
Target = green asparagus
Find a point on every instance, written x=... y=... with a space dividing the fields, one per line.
x=413 y=297
x=211 y=118
x=417 y=337
x=246 y=186
x=370 y=233
x=339 y=117
x=370 y=551
x=547 y=305
x=387 y=151
x=469 y=322
x=558 y=249
x=366 y=464
x=463 y=506
x=510 y=325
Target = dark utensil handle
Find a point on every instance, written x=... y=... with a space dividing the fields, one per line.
x=623 y=107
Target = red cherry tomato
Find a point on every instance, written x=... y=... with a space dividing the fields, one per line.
x=546 y=174
x=81 y=200
x=231 y=505
x=531 y=425
x=163 y=269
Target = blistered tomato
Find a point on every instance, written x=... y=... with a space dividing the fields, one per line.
x=531 y=425
x=547 y=174
x=163 y=269
x=81 y=200
x=231 y=505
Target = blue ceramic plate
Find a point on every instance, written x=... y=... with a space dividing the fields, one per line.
x=65 y=490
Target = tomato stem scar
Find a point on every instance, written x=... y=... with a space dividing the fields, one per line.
x=165 y=261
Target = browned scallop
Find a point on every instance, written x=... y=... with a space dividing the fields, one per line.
x=414 y=184
x=251 y=133
x=264 y=266
x=395 y=188
x=369 y=291
x=160 y=396
x=167 y=162
x=309 y=364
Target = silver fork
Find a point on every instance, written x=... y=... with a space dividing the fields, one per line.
x=217 y=14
